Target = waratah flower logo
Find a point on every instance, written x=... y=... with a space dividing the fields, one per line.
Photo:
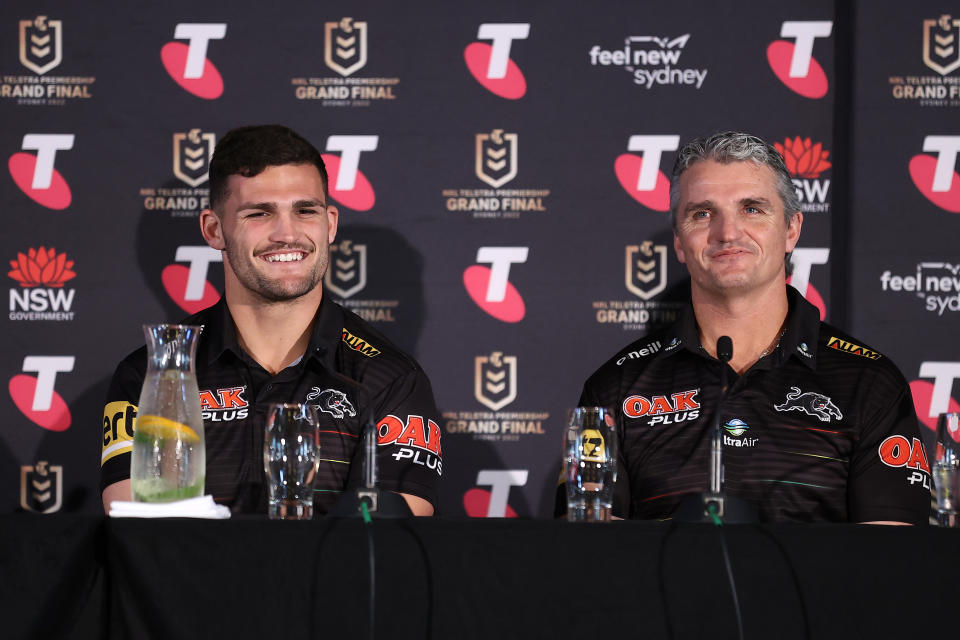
x=804 y=159
x=42 y=267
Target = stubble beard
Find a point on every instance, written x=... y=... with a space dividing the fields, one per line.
x=270 y=289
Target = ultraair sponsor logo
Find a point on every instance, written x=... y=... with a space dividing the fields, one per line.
x=346 y=278
x=645 y=278
x=187 y=284
x=188 y=64
x=806 y=160
x=36 y=396
x=224 y=405
x=491 y=64
x=36 y=175
x=496 y=163
x=40 y=293
x=930 y=399
x=348 y=185
x=41 y=487
x=934 y=175
x=736 y=434
x=41 y=51
x=899 y=452
x=651 y=61
x=345 y=48
x=640 y=175
x=490 y=287
x=495 y=387
x=414 y=440
x=673 y=408
x=792 y=59
x=936 y=283
x=192 y=152
x=494 y=503
x=938 y=42
x=802 y=261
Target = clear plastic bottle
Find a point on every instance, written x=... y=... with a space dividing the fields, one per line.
x=169 y=458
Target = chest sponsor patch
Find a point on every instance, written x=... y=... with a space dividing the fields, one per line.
x=899 y=452
x=224 y=405
x=332 y=401
x=737 y=434
x=811 y=403
x=416 y=440
x=359 y=344
x=668 y=409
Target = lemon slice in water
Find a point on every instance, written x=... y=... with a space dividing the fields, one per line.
x=160 y=427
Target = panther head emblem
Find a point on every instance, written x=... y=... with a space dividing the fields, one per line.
x=811 y=403
x=332 y=401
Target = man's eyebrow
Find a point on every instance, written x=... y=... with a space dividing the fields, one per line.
x=266 y=206
x=762 y=202
x=696 y=206
x=311 y=202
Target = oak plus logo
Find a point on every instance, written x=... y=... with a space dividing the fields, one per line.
x=937 y=284
x=36 y=176
x=41 y=51
x=934 y=175
x=188 y=64
x=933 y=398
x=490 y=287
x=346 y=278
x=940 y=49
x=413 y=440
x=495 y=380
x=792 y=60
x=348 y=185
x=224 y=405
x=645 y=276
x=802 y=261
x=806 y=160
x=41 y=487
x=491 y=65
x=494 y=502
x=651 y=61
x=640 y=175
x=36 y=396
x=187 y=285
x=192 y=152
x=668 y=409
x=40 y=295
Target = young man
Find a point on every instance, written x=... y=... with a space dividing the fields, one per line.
x=274 y=337
x=815 y=426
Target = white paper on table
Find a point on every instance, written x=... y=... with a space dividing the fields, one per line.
x=201 y=507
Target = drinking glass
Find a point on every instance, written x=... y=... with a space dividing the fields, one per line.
x=946 y=469
x=589 y=463
x=291 y=449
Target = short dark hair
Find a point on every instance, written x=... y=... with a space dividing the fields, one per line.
x=247 y=151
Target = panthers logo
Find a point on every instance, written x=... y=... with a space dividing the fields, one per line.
x=814 y=404
x=332 y=401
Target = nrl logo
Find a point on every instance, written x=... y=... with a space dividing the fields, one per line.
x=496 y=157
x=41 y=44
x=814 y=404
x=348 y=270
x=646 y=273
x=191 y=156
x=941 y=44
x=345 y=45
x=332 y=402
x=41 y=487
x=495 y=380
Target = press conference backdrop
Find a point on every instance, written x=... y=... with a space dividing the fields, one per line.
x=502 y=174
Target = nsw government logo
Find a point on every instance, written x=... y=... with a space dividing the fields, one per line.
x=40 y=295
x=937 y=284
x=346 y=277
x=345 y=53
x=41 y=51
x=645 y=277
x=651 y=61
x=806 y=160
x=192 y=151
x=495 y=387
x=41 y=487
x=496 y=163
x=940 y=52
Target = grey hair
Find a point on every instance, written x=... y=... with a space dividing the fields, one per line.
x=734 y=146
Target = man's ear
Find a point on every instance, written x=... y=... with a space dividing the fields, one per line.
x=212 y=229
x=793 y=231
x=679 y=249
x=333 y=217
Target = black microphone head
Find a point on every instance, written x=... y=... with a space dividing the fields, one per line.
x=724 y=348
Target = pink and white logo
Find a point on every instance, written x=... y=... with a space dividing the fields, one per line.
x=932 y=399
x=348 y=185
x=491 y=65
x=490 y=287
x=793 y=62
x=640 y=176
x=803 y=261
x=36 y=397
x=188 y=285
x=188 y=64
x=35 y=174
x=934 y=175
x=480 y=503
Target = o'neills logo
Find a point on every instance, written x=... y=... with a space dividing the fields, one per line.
x=41 y=274
x=416 y=440
x=897 y=452
x=805 y=161
x=851 y=348
x=188 y=64
x=793 y=62
x=651 y=61
x=41 y=487
x=491 y=65
x=41 y=51
x=940 y=49
x=192 y=151
x=676 y=407
x=224 y=405
x=359 y=344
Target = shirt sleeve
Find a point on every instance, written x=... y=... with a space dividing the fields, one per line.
x=119 y=419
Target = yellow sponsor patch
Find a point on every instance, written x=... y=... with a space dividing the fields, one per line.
x=119 y=420
x=359 y=344
x=842 y=345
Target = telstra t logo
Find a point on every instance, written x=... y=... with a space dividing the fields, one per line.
x=188 y=286
x=641 y=177
x=490 y=287
x=794 y=64
x=480 y=503
x=35 y=175
x=187 y=63
x=348 y=185
x=802 y=261
x=932 y=399
x=934 y=176
x=490 y=64
x=36 y=397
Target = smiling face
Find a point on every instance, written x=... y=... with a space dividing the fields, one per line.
x=731 y=231
x=275 y=230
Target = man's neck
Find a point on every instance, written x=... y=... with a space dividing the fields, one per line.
x=274 y=334
x=754 y=322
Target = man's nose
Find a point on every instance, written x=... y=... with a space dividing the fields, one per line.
x=284 y=227
x=725 y=227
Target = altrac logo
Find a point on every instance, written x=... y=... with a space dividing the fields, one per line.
x=481 y=503
x=491 y=65
x=41 y=274
x=640 y=175
x=36 y=175
x=348 y=185
x=793 y=62
x=490 y=287
x=806 y=160
x=932 y=399
x=802 y=261
x=417 y=440
x=188 y=64
x=934 y=175
x=670 y=409
x=188 y=285
x=36 y=397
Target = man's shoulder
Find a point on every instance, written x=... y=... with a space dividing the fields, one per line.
x=363 y=345
x=840 y=351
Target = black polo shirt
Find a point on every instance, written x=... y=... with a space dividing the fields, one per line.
x=350 y=372
x=821 y=429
